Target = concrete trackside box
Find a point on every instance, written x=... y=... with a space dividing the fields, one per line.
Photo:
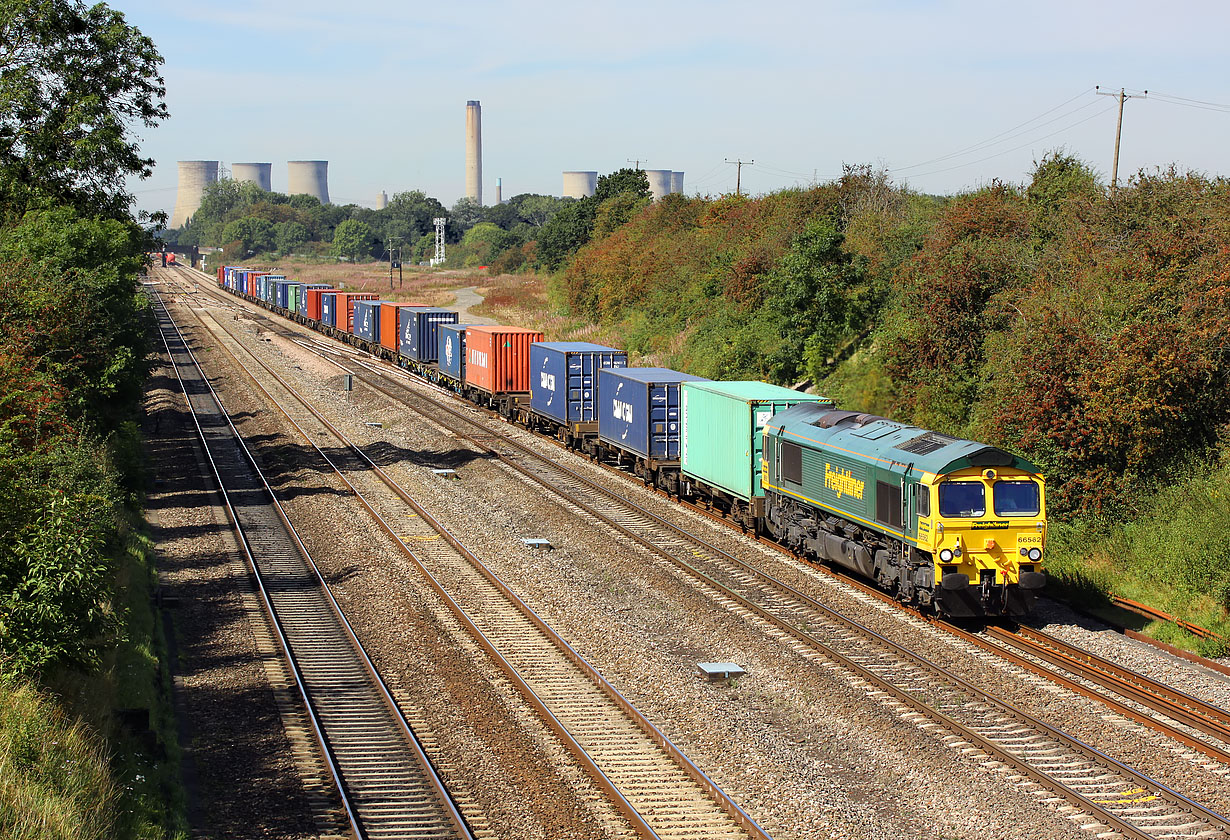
x=564 y=378
x=420 y=331
x=367 y=319
x=723 y=431
x=498 y=358
x=639 y=408
x=452 y=350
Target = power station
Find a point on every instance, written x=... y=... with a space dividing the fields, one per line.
x=194 y=175
x=474 y=151
x=255 y=173
x=308 y=177
x=582 y=183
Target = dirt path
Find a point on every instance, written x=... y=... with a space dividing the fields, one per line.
x=466 y=298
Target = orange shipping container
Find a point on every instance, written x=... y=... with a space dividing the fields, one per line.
x=390 y=323
x=498 y=358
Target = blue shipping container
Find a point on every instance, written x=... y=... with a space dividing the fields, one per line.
x=452 y=350
x=328 y=309
x=420 y=332
x=564 y=378
x=303 y=295
x=280 y=292
x=367 y=319
x=638 y=410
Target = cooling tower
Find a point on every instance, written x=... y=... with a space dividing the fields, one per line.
x=193 y=176
x=499 y=190
x=580 y=184
x=676 y=182
x=659 y=182
x=474 y=151
x=382 y=200
x=308 y=177
x=257 y=173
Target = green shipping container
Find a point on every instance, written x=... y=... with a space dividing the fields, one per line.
x=722 y=431
x=292 y=296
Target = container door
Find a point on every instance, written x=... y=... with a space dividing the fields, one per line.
x=762 y=413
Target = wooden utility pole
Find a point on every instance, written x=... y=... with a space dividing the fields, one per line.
x=1122 y=97
x=739 y=164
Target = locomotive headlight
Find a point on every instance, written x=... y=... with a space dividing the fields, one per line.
x=946 y=556
x=1035 y=554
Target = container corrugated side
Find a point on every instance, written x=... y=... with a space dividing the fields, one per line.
x=639 y=408
x=498 y=358
x=390 y=324
x=367 y=319
x=452 y=350
x=420 y=338
x=564 y=378
x=351 y=299
x=723 y=431
x=328 y=307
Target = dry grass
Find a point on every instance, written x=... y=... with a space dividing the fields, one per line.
x=54 y=777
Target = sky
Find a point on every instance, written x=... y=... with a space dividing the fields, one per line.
x=945 y=95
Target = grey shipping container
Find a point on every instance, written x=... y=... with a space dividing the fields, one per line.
x=564 y=378
x=367 y=319
x=420 y=332
x=452 y=350
x=638 y=410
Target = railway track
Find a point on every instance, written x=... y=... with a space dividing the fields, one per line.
x=386 y=784
x=1096 y=790
x=656 y=787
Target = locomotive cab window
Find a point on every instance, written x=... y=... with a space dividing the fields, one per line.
x=888 y=504
x=792 y=462
x=963 y=498
x=1017 y=498
x=922 y=500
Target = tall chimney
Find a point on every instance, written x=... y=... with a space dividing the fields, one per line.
x=499 y=190
x=193 y=176
x=474 y=151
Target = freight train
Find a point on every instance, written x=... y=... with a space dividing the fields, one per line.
x=951 y=526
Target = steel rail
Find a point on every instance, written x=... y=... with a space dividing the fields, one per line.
x=456 y=823
x=738 y=815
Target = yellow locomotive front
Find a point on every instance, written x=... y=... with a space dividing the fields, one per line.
x=987 y=535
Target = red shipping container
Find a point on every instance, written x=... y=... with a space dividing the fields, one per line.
x=498 y=358
x=313 y=302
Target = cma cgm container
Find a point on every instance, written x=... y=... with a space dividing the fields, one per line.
x=723 y=439
x=313 y=298
x=328 y=307
x=564 y=378
x=451 y=351
x=367 y=319
x=420 y=330
x=639 y=412
x=498 y=359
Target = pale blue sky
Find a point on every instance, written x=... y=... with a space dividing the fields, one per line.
x=379 y=89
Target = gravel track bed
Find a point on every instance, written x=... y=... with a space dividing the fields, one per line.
x=805 y=753
x=489 y=746
x=240 y=777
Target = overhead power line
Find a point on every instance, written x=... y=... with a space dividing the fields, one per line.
x=1008 y=133
x=1122 y=97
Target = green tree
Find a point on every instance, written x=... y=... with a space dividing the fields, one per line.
x=625 y=180
x=74 y=80
x=256 y=234
x=352 y=239
x=289 y=236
